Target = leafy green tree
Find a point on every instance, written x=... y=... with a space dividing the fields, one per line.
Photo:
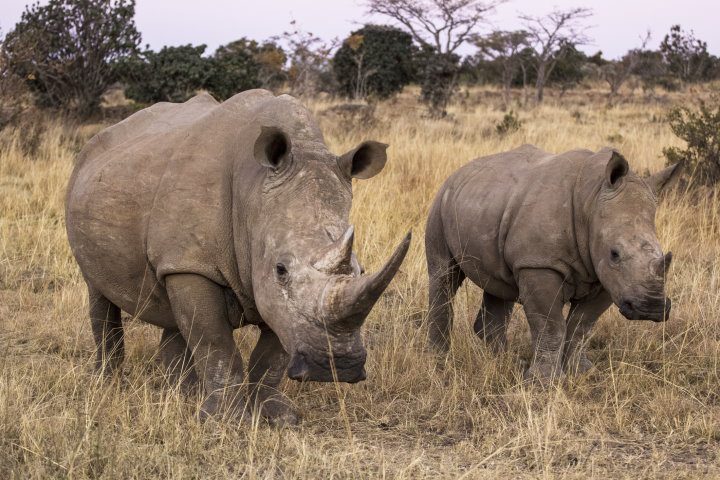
x=653 y=72
x=375 y=60
x=66 y=51
x=439 y=27
x=439 y=81
x=173 y=74
x=269 y=59
x=570 y=67
x=233 y=69
x=687 y=57
x=501 y=54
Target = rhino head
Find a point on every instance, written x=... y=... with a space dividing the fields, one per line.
x=307 y=282
x=624 y=248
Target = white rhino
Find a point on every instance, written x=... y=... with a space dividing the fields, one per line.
x=202 y=217
x=547 y=230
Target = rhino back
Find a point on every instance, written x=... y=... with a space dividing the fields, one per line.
x=511 y=211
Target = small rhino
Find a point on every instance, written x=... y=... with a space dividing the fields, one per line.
x=545 y=230
x=202 y=217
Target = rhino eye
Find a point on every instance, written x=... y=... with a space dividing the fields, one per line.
x=281 y=271
x=614 y=255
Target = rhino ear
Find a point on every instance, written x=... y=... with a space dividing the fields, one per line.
x=364 y=161
x=664 y=178
x=272 y=147
x=616 y=169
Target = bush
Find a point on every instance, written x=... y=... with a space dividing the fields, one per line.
x=701 y=130
x=173 y=74
x=232 y=69
x=510 y=123
x=439 y=81
x=261 y=65
x=66 y=51
x=374 y=61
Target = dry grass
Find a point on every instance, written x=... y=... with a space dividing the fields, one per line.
x=651 y=409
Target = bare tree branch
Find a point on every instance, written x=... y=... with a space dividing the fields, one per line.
x=442 y=25
x=616 y=73
x=547 y=36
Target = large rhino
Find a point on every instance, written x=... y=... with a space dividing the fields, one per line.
x=545 y=230
x=202 y=217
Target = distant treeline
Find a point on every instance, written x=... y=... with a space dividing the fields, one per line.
x=65 y=55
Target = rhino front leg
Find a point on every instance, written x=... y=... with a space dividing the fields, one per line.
x=542 y=298
x=491 y=321
x=268 y=363
x=107 y=331
x=177 y=360
x=199 y=308
x=581 y=319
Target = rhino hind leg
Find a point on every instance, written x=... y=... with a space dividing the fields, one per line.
x=177 y=361
x=268 y=363
x=107 y=331
x=445 y=279
x=491 y=321
x=199 y=308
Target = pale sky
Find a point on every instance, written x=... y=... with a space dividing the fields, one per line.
x=616 y=25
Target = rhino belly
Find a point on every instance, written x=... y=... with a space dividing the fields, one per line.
x=472 y=225
x=106 y=222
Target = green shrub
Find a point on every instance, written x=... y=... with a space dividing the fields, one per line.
x=439 y=80
x=509 y=123
x=173 y=74
x=701 y=131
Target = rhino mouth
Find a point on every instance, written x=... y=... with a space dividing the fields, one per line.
x=309 y=368
x=656 y=310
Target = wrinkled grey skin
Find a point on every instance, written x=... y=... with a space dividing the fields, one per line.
x=202 y=217
x=546 y=230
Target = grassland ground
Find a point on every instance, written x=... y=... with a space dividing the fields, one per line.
x=650 y=408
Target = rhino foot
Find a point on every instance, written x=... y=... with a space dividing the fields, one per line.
x=543 y=374
x=278 y=412
x=214 y=407
x=578 y=364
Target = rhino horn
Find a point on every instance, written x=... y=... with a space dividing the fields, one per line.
x=338 y=256
x=352 y=298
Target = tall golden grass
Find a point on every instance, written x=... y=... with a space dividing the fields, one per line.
x=650 y=409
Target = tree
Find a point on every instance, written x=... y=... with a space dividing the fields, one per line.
x=67 y=50
x=376 y=60
x=652 y=71
x=269 y=57
x=173 y=74
x=233 y=69
x=548 y=35
x=310 y=71
x=440 y=27
x=686 y=56
x=14 y=94
x=504 y=49
x=617 y=72
x=439 y=81
x=571 y=67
